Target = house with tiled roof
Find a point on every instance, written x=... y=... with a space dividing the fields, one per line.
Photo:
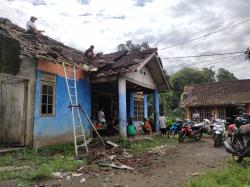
x=34 y=107
x=219 y=99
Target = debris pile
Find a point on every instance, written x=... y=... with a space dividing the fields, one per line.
x=119 y=158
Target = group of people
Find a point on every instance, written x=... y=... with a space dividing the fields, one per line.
x=146 y=126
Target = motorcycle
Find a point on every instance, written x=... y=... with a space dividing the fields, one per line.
x=239 y=147
x=208 y=127
x=191 y=131
x=239 y=120
x=219 y=132
x=175 y=129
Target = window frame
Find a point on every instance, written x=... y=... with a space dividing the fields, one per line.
x=46 y=82
x=138 y=109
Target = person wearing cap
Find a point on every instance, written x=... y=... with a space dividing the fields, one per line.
x=31 y=26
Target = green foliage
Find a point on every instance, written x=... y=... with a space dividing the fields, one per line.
x=224 y=75
x=132 y=47
x=43 y=163
x=233 y=175
x=170 y=121
x=146 y=144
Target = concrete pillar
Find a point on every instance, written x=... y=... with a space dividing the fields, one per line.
x=145 y=106
x=248 y=109
x=122 y=107
x=188 y=113
x=131 y=105
x=156 y=110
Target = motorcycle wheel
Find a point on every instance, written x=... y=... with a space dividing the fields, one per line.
x=238 y=159
x=198 y=136
x=215 y=142
x=171 y=134
x=181 y=137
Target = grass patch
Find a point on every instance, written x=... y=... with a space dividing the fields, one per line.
x=145 y=144
x=42 y=164
x=232 y=175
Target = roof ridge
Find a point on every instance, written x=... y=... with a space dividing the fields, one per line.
x=217 y=82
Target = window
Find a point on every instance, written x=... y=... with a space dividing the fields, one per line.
x=222 y=113
x=47 y=99
x=139 y=109
x=205 y=113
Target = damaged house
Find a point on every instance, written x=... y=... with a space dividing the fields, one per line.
x=218 y=99
x=33 y=94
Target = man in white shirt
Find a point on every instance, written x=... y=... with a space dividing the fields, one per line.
x=31 y=26
x=101 y=117
x=162 y=122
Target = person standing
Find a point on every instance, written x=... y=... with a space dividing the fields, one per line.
x=162 y=122
x=101 y=117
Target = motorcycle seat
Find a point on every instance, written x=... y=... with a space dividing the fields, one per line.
x=197 y=126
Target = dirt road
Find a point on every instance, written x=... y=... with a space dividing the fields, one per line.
x=173 y=165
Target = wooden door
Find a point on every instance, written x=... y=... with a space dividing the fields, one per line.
x=13 y=94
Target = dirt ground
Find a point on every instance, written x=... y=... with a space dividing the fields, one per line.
x=170 y=165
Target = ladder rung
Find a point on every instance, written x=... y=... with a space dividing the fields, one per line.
x=81 y=145
x=69 y=70
x=78 y=126
x=73 y=95
x=70 y=79
x=72 y=87
x=79 y=136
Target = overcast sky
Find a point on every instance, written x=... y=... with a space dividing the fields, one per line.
x=161 y=23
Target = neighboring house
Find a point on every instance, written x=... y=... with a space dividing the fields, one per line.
x=220 y=99
x=33 y=94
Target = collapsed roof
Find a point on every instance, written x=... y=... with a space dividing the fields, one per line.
x=40 y=46
x=217 y=93
x=113 y=64
x=120 y=62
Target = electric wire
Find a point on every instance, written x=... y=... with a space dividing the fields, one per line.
x=205 y=55
x=207 y=35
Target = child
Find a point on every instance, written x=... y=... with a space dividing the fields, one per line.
x=146 y=127
x=131 y=127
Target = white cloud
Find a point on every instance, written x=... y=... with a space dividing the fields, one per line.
x=80 y=23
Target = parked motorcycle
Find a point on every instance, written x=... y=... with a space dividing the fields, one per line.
x=239 y=147
x=219 y=132
x=191 y=131
x=239 y=120
x=208 y=126
x=175 y=128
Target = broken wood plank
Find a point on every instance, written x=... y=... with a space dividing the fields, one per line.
x=111 y=143
x=113 y=165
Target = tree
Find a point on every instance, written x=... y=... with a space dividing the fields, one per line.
x=133 y=47
x=224 y=75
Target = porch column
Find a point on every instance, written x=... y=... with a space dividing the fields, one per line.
x=145 y=106
x=188 y=113
x=122 y=107
x=156 y=110
x=131 y=104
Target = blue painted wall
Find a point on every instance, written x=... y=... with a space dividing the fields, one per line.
x=61 y=123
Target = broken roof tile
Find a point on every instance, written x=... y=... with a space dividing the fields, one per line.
x=41 y=46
